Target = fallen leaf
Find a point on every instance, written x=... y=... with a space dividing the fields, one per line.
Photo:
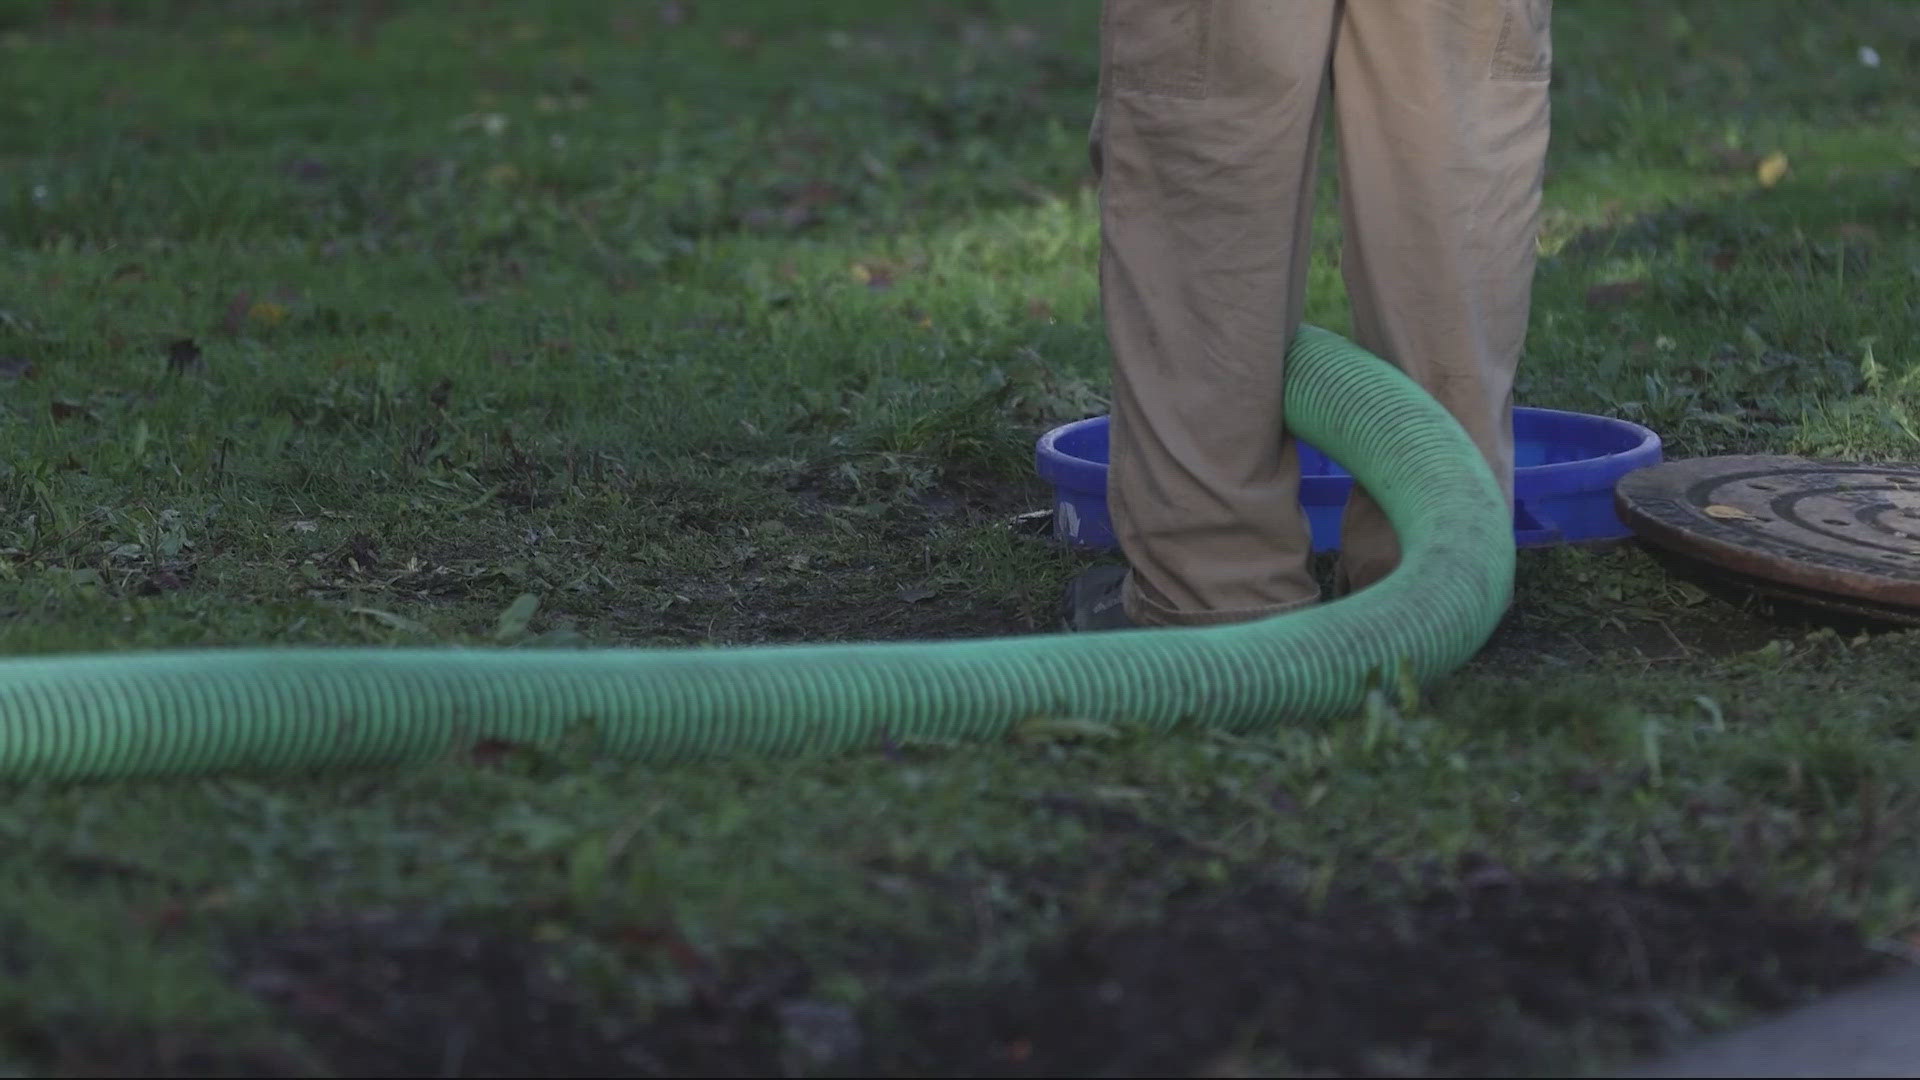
x=360 y=555
x=513 y=621
x=874 y=275
x=267 y=313
x=1728 y=513
x=1771 y=169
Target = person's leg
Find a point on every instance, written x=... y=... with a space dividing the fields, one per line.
x=1209 y=117
x=1441 y=120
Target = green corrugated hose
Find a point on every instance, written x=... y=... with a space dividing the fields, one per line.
x=198 y=712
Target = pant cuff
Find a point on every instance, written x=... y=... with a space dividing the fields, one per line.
x=1145 y=612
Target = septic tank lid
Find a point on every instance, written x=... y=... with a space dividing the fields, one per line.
x=1837 y=534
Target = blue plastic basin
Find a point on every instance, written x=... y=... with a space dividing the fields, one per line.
x=1565 y=467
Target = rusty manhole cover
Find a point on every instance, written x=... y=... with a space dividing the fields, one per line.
x=1836 y=534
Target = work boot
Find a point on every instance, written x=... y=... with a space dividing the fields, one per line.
x=1093 y=600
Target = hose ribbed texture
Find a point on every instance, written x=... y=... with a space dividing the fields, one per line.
x=198 y=712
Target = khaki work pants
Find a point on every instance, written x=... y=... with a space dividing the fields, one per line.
x=1205 y=144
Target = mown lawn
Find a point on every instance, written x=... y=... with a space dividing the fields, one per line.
x=707 y=324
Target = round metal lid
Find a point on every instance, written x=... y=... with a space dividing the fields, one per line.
x=1846 y=534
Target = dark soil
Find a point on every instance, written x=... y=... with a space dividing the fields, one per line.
x=829 y=608
x=894 y=597
x=1524 y=643
x=415 y=994
x=1463 y=982
x=1459 y=984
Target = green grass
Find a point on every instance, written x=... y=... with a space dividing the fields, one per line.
x=355 y=323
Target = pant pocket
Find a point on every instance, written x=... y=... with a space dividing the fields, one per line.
x=1524 y=52
x=1157 y=46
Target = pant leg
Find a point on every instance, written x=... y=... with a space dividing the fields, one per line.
x=1442 y=120
x=1207 y=128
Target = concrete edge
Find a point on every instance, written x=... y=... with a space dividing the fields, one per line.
x=1868 y=1031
